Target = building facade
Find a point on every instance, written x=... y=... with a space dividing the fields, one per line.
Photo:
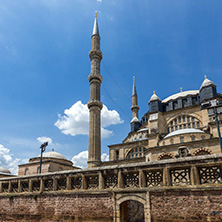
x=174 y=127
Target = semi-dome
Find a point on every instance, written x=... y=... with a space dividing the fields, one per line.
x=4 y=170
x=154 y=97
x=183 y=131
x=53 y=154
x=181 y=95
x=207 y=82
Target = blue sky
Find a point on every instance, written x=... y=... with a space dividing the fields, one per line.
x=44 y=65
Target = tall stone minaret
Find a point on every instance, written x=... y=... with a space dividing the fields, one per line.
x=135 y=124
x=94 y=104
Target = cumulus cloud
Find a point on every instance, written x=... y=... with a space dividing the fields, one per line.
x=7 y=161
x=76 y=120
x=80 y=160
x=44 y=139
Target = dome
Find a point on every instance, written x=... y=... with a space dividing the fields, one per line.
x=183 y=131
x=53 y=154
x=207 y=82
x=4 y=170
x=154 y=97
x=180 y=95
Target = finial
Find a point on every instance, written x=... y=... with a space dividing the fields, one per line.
x=53 y=150
x=133 y=79
x=181 y=89
x=154 y=92
x=95 y=14
x=205 y=76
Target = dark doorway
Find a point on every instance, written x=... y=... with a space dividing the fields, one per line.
x=132 y=211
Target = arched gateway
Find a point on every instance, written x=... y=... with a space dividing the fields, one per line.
x=132 y=208
x=132 y=211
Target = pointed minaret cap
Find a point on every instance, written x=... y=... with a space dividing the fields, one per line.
x=207 y=82
x=134 y=93
x=154 y=97
x=95 y=27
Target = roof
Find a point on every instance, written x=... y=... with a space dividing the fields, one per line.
x=154 y=97
x=183 y=131
x=134 y=93
x=206 y=82
x=95 y=27
x=53 y=154
x=143 y=129
x=135 y=119
x=181 y=94
x=4 y=170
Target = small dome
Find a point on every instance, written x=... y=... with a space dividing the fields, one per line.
x=154 y=97
x=4 y=170
x=53 y=154
x=183 y=131
x=207 y=82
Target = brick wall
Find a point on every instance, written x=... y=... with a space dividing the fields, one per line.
x=189 y=206
x=57 y=207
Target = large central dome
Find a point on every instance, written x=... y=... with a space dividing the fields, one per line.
x=180 y=95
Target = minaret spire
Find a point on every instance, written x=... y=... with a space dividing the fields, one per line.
x=94 y=104
x=135 y=108
x=95 y=27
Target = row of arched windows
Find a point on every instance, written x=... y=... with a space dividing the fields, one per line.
x=183 y=122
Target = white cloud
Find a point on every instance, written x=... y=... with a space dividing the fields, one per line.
x=7 y=161
x=76 y=120
x=99 y=0
x=44 y=139
x=80 y=160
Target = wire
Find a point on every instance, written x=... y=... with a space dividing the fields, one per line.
x=116 y=82
x=115 y=103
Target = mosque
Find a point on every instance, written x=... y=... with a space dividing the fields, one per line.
x=173 y=127
x=168 y=167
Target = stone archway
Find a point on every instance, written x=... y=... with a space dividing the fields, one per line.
x=132 y=211
x=136 y=206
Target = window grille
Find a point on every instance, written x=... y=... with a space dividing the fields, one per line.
x=210 y=174
x=180 y=177
x=25 y=186
x=48 y=184
x=76 y=183
x=111 y=181
x=131 y=180
x=62 y=184
x=154 y=178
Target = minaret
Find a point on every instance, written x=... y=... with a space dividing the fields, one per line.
x=94 y=104
x=134 y=106
x=135 y=124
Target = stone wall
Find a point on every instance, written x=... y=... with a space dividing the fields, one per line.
x=189 y=206
x=57 y=207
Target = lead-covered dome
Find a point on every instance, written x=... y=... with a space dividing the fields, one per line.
x=183 y=131
x=53 y=154
x=4 y=170
x=181 y=95
x=207 y=82
x=154 y=97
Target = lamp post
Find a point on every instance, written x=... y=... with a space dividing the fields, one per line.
x=42 y=147
x=218 y=127
x=214 y=104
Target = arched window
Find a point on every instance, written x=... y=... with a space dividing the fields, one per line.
x=183 y=122
x=26 y=171
x=136 y=153
x=165 y=156
x=202 y=151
